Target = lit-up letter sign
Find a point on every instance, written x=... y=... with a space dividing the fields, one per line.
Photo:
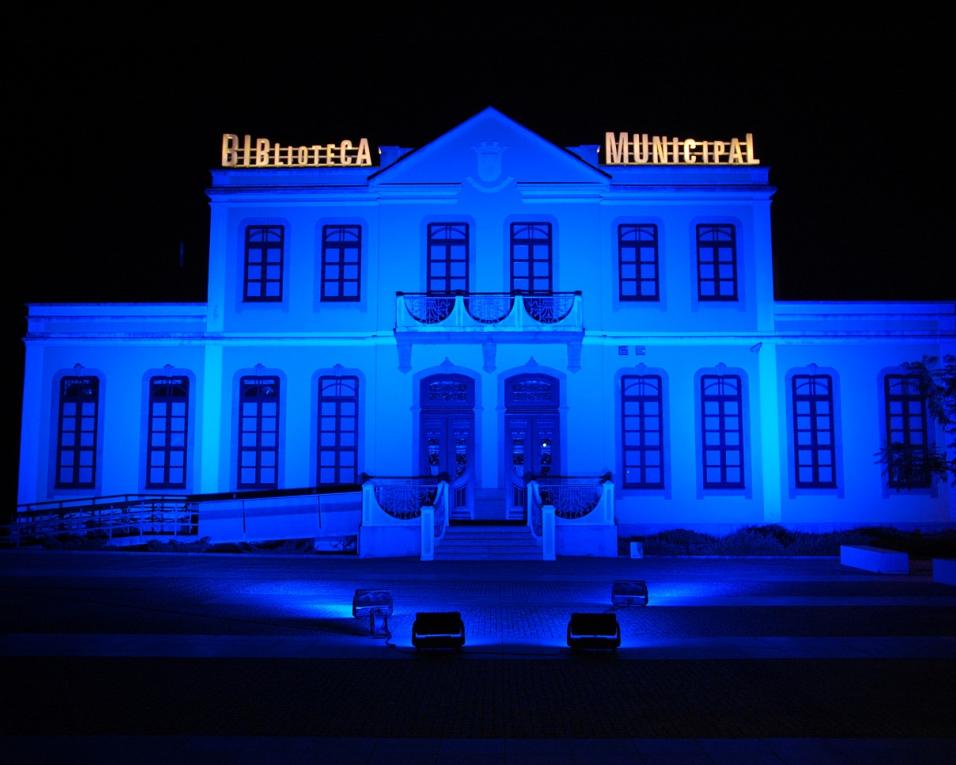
x=644 y=149
x=261 y=152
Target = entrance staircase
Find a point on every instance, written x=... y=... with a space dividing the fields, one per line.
x=488 y=543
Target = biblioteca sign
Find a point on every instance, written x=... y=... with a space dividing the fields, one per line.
x=644 y=149
x=261 y=152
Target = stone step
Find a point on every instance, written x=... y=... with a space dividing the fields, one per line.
x=488 y=543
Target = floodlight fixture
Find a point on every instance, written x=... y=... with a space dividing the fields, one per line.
x=438 y=630
x=629 y=592
x=376 y=606
x=598 y=631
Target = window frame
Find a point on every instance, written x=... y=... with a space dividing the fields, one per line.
x=337 y=449
x=715 y=245
x=815 y=447
x=531 y=243
x=638 y=247
x=722 y=448
x=340 y=246
x=77 y=448
x=925 y=480
x=263 y=246
x=257 y=448
x=642 y=447
x=167 y=449
x=446 y=245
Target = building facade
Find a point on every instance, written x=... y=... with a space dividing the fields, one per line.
x=493 y=309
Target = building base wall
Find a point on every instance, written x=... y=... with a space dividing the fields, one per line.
x=591 y=541
x=390 y=541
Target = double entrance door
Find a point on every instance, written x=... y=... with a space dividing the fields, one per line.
x=528 y=447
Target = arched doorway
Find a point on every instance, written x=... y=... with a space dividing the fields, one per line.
x=532 y=435
x=447 y=437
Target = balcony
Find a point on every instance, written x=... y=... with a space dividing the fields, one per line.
x=482 y=313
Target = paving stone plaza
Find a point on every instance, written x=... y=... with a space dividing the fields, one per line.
x=255 y=658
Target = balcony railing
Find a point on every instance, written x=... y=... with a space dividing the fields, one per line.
x=488 y=312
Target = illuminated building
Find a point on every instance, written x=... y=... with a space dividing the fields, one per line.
x=494 y=308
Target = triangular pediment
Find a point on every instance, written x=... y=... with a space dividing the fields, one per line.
x=489 y=150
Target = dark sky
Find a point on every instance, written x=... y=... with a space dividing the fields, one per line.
x=108 y=136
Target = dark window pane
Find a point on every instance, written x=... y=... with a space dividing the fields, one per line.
x=263 y=244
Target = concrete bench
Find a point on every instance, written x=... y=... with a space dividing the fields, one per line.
x=944 y=571
x=875 y=559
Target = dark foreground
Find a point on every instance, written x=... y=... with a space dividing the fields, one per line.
x=258 y=658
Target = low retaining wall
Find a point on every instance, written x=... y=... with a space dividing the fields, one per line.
x=875 y=559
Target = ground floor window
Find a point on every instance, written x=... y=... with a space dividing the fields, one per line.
x=258 y=432
x=906 y=432
x=642 y=431
x=77 y=423
x=338 y=429
x=722 y=419
x=814 y=448
x=166 y=445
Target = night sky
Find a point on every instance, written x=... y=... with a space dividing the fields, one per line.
x=108 y=137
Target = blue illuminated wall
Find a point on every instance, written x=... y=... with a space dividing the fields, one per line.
x=489 y=173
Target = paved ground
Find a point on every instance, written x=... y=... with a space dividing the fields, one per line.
x=246 y=656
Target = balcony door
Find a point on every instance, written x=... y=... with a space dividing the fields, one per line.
x=447 y=258
x=532 y=436
x=447 y=437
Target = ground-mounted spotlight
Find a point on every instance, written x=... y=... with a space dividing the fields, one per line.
x=374 y=605
x=437 y=630
x=594 y=631
x=629 y=592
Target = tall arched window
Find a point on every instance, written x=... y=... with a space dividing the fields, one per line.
x=341 y=263
x=447 y=257
x=531 y=257
x=637 y=261
x=262 y=277
x=338 y=429
x=814 y=443
x=723 y=434
x=716 y=261
x=166 y=445
x=907 y=432
x=258 y=432
x=77 y=427
x=642 y=431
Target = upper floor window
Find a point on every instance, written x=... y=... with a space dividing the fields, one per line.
x=637 y=261
x=813 y=431
x=716 y=261
x=76 y=432
x=166 y=447
x=338 y=429
x=262 y=278
x=258 y=432
x=722 y=419
x=341 y=262
x=531 y=257
x=642 y=431
x=907 y=432
x=447 y=257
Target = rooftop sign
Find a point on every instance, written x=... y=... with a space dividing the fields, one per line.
x=644 y=149
x=261 y=152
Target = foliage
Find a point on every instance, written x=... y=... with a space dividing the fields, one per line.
x=911 y=464
x=776 y=540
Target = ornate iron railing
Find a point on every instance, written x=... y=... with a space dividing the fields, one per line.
x=489 y=308
x=106 y=518
x=572 y=497
x=403 y=498
x=549 y=309
x=429 y=309
x=480 y=311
